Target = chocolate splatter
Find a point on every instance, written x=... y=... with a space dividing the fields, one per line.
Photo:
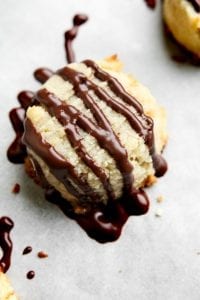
x=30 y=275
x=27 y=250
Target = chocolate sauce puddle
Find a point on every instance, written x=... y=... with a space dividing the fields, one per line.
x=103 y=224
x=6 y=225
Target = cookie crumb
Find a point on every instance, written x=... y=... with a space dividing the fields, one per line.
x=16 y=188
x=160 y=199
x=158 y=213
x=42 y=254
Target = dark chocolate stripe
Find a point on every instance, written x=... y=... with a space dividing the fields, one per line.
x=66 y=116
x=25 y=98
x=81 y=88
x=119 y=108
x=42 y=74
x=62 y=169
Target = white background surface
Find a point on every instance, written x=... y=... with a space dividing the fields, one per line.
x=155 y=258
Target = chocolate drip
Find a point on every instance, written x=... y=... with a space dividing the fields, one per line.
x=195 y=4
x=160 y=165
x=102 y=223
x=43 y=74
x=6 y=224
x=71 y=34
x=67 y=116
x=81 y=88
x=16 y=152
x=105 y=223
x=151 y=3
x=61 y=168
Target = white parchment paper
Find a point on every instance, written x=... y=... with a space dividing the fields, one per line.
x=155 y=258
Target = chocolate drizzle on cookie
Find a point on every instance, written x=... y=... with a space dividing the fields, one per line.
x=61 y=168
x=144 y=128
x=72 y=119
x=6 y=224
x=195 y=4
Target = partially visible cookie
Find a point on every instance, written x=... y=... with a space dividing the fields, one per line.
x=6 y=290
x=182 y=18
